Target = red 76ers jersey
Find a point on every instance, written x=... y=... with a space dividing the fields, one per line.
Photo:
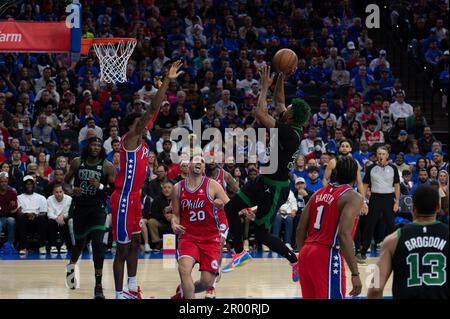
x=197 y=212
x=133 y=168
x=324 y=215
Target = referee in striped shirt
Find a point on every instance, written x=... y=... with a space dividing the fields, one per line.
x=384 y=182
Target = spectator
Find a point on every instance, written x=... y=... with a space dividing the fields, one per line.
x=165 y=119
x=152 y=188
x=420 y=164
x=8 y=210
x=362 y=81
x=376 y=62
x=443 y=193
x=433 y=54
x=401 y=144
x=438 y=159
x=413 y=155
x=323 y=114
x=340 y=75
x=307 y=144
x=433 y=173
x=32 y=212
x=66 y=150
x=90 y=126
x=426 y=141
x=159 y=217
x=115 y=145
x=399 y=108
x=299 y=169
x=113 y=135
x=88 y=100
x=222 y=106
x=423 y=179
x=435 y=147
x=184 y=120
x=45 y=133
x=313 y=182
x=366 y=115
x=372 y=135
x=363 y=155
x=286 y=215
x=416 y=121
x=406 y=185
x=58 y=215
x=40 y=182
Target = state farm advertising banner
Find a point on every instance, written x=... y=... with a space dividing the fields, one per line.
x=34 y=36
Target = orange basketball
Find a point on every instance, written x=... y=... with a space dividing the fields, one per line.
x=285 y=60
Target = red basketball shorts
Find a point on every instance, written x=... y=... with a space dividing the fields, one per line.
x=205 y=251
x=126 y=213
x=322 y=272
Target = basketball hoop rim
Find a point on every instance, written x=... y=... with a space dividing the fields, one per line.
x=87 y=43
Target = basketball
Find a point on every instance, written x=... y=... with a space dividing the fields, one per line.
x=285 y=60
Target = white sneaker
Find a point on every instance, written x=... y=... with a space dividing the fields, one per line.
x=89 y=247
x=63 y=249
x=265 y=248
x=289 y=246
x=147 y=248
x=53 y=250
x=43 y=251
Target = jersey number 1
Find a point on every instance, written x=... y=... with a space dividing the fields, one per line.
x=318 y=218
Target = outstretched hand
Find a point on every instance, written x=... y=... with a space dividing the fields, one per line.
x=174 y=70
x=266 y=77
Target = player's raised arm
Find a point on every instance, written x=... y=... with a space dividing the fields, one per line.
x=172 y=74
x=279 y=97
x=262 y=112
x=302 y=228
x=350 y=207
x=384 y=266
x=328 y=171
x=175 y=202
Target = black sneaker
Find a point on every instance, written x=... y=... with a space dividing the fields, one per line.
x=98 y=292
x=361 y=259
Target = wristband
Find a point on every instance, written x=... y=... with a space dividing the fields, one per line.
x=101 y=186
x=355 y=275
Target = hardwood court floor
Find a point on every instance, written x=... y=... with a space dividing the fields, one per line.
x=44 y=279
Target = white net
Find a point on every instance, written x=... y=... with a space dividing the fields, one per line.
x=114 y=59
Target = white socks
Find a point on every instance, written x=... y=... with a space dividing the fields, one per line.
x=119 y=295
x=132 y=283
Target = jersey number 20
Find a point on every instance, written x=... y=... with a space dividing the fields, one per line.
x=197 y=216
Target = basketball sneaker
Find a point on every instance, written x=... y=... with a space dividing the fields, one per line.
x=210 y=293
x=178 y=293
x=43 y=250
x=361 y=259
x=53 y=250
x=98 y=292
x=237 y=260
x=130 y=294
x=63 y=249
x=71 y=278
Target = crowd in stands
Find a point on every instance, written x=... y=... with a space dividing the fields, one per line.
x=50 y=105
x=423 y=25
